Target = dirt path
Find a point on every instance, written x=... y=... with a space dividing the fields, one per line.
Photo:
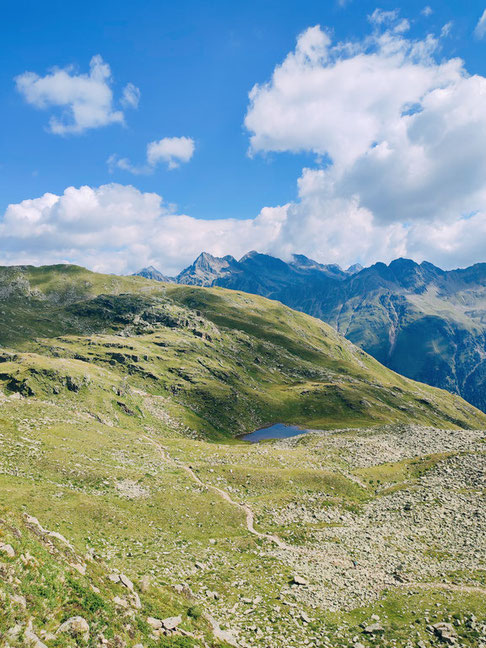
x=448 y=587
x=249 y=515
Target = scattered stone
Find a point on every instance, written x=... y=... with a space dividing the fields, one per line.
x=14 y=631
x=28 y=560
x=131 y=490
x=298 y=580
x=145 y=583
x=75 y=626
x=17 y=598
x=126 y=581
x=154 y=623
x=115 y=578
x=79 y=568
x=171 y=623
x=374 y=628
x=445 y=632
x=121 y=602
x=7 y=550
x=32 y=638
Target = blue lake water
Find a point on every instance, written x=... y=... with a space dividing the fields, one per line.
x=277 y=431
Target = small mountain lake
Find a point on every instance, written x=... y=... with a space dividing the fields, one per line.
x=277 y=431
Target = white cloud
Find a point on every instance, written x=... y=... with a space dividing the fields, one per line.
x=114 y=162
x=378 y=17
x=85 y=100
x=404 y=139
x=480 y=30
x=427 y=11
x=446 y=29
x=116 y=228
x=131 y=96
x=172 y=150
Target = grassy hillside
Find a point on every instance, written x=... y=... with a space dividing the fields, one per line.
x=232 y=361
x=119 y=402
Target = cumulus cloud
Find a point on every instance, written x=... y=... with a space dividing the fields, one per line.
x=480 y=30
x=404 y=135
x=427 y=11
x=117 y=228
x=172 y=150
x=85 y=100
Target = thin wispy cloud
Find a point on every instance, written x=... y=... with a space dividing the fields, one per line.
x=446 y=29
x=480 y=30
x=85 y=101
x=379 y=18
x=131 y=96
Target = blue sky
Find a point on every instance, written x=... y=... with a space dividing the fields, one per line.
x=194 y=64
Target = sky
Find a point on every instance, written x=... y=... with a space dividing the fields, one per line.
x=139 y=134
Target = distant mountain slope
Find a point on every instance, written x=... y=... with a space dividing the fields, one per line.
x=421 y=321
x=152 y=273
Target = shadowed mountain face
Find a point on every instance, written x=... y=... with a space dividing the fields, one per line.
x=419 y=320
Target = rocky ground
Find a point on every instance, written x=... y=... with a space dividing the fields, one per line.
x=423 y=529
x=345 y=538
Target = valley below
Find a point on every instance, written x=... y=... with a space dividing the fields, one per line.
x=131 y=515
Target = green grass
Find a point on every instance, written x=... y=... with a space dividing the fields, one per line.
x=96 y=368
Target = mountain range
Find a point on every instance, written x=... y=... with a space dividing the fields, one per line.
x=417 y=319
